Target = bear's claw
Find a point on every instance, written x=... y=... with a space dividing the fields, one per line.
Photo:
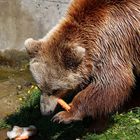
x=63 y=117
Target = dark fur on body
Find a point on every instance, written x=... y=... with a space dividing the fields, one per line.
x=95 y=46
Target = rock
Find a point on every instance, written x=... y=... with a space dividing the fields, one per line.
x=19 y=87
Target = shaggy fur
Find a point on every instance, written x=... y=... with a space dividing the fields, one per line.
x=96 y=47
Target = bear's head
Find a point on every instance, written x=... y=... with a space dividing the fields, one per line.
x=55 y=62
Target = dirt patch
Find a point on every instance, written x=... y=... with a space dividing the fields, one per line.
x=14 y=84
x=3 y=134
x=8 y=99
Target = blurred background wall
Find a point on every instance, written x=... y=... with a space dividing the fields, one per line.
x=21 y=19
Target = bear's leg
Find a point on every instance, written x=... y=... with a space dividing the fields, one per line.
x=101 y=98
x=77 y=111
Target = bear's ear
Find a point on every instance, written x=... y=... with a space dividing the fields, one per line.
x=32 y=46
x=72 y=57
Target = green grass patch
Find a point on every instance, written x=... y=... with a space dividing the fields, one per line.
x=124 y=126
x=3 y=124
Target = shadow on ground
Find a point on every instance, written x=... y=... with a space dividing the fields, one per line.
x=29 y=114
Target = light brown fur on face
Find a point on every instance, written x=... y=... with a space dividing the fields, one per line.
x=95 y=47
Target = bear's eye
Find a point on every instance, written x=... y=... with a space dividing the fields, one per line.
x=70 y=60
x=71 y=63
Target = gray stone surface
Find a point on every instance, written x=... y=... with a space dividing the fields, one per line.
x=21 y=19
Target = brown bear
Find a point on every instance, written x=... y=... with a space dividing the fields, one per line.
x=95 y=47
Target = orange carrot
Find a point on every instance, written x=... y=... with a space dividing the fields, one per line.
x=63 y=104
x=22 y=138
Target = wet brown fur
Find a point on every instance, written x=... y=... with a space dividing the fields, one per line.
x=109 y=30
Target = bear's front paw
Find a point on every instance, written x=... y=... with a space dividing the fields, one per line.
x=66 y=117
x=63 y=116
